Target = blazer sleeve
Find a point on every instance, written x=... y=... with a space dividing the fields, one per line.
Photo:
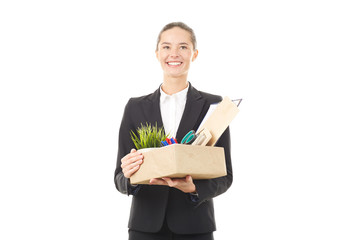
x=208 y=189
x=125 y=145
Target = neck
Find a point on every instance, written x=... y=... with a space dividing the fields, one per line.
x=173 y=85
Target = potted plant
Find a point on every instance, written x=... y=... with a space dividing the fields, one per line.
x=148 y=136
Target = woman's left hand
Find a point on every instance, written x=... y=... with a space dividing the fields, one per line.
x=183 y=184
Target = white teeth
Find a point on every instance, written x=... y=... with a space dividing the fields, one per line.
x=174 y=63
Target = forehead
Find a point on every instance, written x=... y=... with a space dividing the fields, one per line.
x=176 y=35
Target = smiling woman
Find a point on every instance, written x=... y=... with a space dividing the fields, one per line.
x=178 y=208
x=175 y=51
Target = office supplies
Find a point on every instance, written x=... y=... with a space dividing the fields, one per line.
x=168 y=141
x=203 y=137
x=189 y=137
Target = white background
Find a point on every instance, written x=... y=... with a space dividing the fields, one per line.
x=67 y=68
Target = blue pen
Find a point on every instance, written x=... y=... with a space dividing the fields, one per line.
x=172 y=140
x=164 y=143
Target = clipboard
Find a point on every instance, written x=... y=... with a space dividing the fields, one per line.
x=218 y=118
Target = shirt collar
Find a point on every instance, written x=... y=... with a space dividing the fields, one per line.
x=179 y=95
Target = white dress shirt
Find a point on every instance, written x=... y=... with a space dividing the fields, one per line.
x=172 y=108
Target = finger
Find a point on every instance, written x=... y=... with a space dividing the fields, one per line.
x=131 y=171
x=132 y=165
x=133 y=152
x=169 y=181
x=132 y=159
x=157 y=181
x=129 y=159
x=189 y=179
x=132 y=155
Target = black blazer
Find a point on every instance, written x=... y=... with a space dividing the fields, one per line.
x=151 y=204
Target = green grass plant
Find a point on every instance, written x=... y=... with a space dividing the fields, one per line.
x=148 y=136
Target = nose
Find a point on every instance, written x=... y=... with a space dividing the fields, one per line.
x=174 y=52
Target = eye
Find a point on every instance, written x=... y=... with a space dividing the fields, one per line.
x=165 y=47
x=183 y=47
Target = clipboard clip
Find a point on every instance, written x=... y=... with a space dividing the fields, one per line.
x=237 y=101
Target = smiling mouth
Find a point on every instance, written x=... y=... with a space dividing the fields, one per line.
x=174 y=64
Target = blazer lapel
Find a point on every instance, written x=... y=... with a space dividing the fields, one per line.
x=153 y=109
x=192 y=113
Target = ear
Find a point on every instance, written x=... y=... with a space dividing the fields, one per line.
x=157 y=54
x=196 y=52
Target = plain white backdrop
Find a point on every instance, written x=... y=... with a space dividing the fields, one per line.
x=67 y=68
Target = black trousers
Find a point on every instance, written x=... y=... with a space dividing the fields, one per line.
x=166 y=234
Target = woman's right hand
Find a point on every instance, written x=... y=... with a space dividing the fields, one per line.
x=131 y=162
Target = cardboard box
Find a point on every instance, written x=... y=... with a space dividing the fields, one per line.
x=179 y=160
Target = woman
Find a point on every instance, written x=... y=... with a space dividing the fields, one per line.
x=170 y=208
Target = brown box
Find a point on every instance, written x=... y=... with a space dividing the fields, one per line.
x=179 y=160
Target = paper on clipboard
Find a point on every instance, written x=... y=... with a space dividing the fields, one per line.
x=218 y=118
x=208 y=114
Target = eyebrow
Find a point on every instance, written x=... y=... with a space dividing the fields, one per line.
x=182 y=43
